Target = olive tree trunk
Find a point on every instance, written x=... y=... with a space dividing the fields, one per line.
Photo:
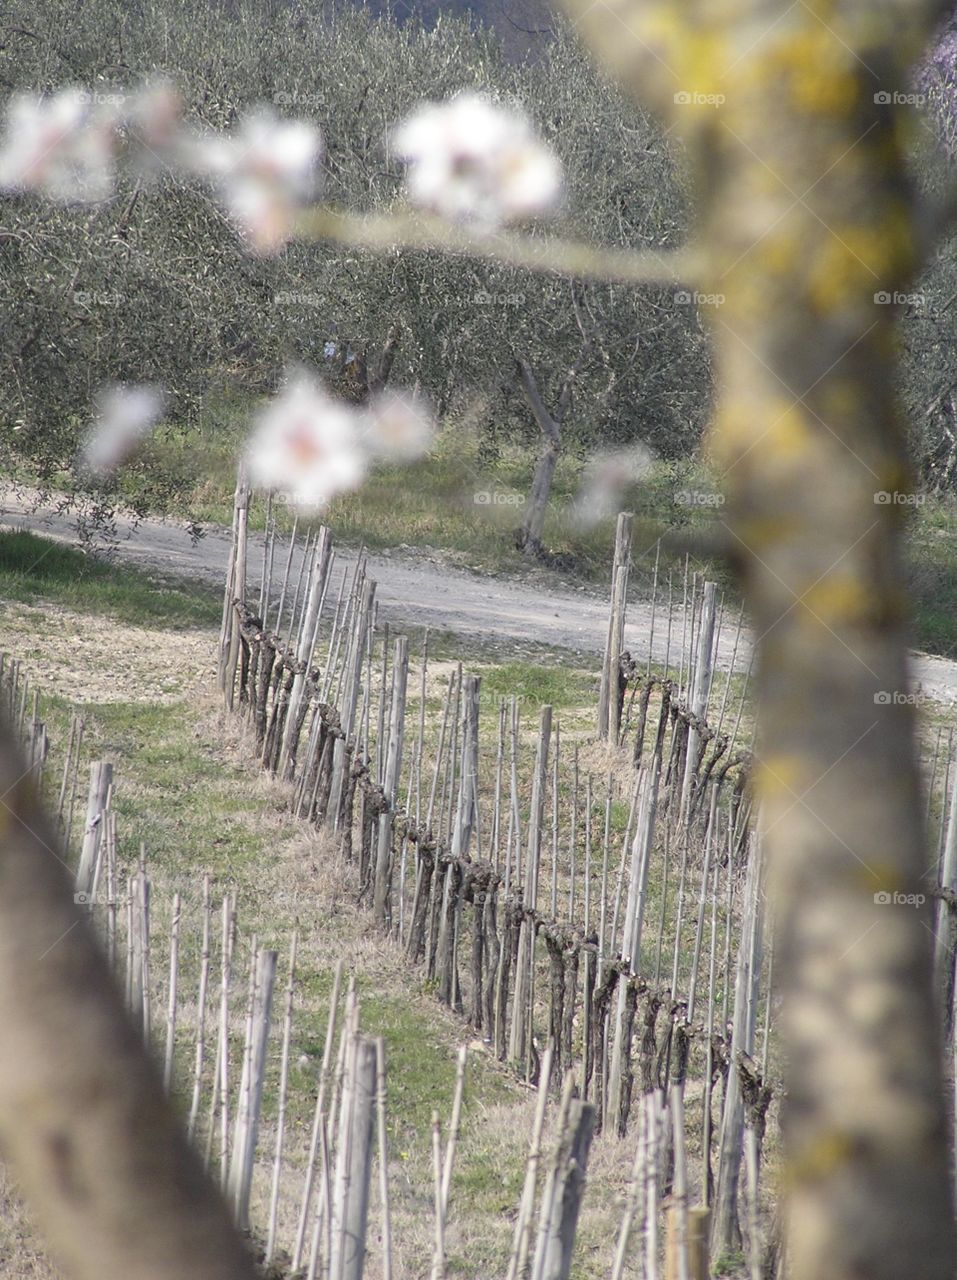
x=533 y=525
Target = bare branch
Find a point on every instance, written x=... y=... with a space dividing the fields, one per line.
x=387 y=233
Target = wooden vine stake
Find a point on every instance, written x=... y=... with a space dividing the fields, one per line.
x=564 y=1188
x=609 y=703
x=350 y=1204
x=251 y=1088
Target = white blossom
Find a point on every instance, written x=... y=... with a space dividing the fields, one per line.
x=608 y=475
x=397 y=426
x=154 y=124
x=62 y=146
x=263 y=173
x=471 y=160
x=306 y=445
x=125 y=414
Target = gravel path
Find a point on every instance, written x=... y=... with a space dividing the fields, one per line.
x=415 y=590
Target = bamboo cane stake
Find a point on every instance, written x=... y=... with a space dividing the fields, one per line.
x=318 y=1117
x=283 y=1095
x=68 y=832
x=678 y=1215
x=573 y=838
x=496 y=833
x=709 y=843
x=453 y=1129
x=755 y=1246
x=247 y=1120
x=555 y=805
x=515 y=854
x=383 y=1143
x=420 y=740
x=747 y=980
x=101 y=779
x=663 y=914
x=520 y=1247
x=448 y=790
x=129 y=946
x=348 y=676
x=204 y=967
x=545 y=1205
x=383 y=717
x=701 y=689
x=654 y=603
x=285 y=577
x=633 y=1197
x=229 y=930
x=653 y=1105
x=709 y=1048
x=67 y=764
x=171 y=1005
x=438 y=1253
x=587 y=869
x=382 y=907
x=106 y=850
x=322 y=1229
x=354 y=1162
x=111 y=903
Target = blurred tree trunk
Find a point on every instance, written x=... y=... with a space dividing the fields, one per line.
x=530 y=535
x=365 y=380
x=84 y=1123
x=807 y=225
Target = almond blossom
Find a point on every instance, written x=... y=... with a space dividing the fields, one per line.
x=154 y=124
x=307 y=445
x=607 y=478
x=125 y=414
x=263 y=173
x=471 y=160
x=62 y=146
x=397 y=426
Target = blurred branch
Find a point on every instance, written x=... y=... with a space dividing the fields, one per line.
x=85 y=1125
x=385 y=233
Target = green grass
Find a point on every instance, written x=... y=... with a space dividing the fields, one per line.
x=38 y=569
x=535 y=686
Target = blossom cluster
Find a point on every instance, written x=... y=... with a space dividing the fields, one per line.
x=467 y=160
x=310 y=446
x=306 y=444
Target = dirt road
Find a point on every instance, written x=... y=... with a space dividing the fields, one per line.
x=415 y=590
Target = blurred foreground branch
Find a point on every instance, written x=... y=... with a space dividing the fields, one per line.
x=390 y=233
x=84 y=1122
